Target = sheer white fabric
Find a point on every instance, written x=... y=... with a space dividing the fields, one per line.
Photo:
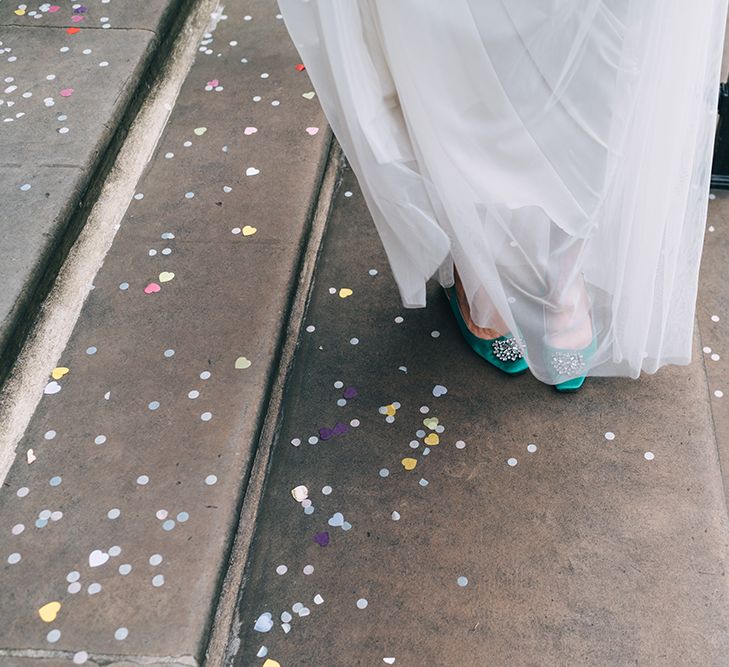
x=551 y=149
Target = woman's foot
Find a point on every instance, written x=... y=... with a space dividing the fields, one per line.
x=569 y=322
x=481 y=332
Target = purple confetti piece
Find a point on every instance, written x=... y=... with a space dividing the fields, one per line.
x=350 y=392
x=322 y=539
x=340 y=428
x=325 y=433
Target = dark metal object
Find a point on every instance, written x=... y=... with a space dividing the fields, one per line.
x=720 y=165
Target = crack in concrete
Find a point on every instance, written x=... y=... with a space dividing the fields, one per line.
x=106 y=659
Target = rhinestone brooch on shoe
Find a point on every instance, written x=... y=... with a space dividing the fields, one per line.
x=568 y=362
x=506 y=349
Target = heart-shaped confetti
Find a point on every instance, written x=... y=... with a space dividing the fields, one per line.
x=431 y=439
x=322 y=539
x=325 y=433
x=73 y=31
x=388 y=661
x=242 y=362
x=152 y=288
x=309 y=95
x=345 y=292
x=337 y=519
x=30 y=456
x=250 y=130
x=431 y=422
x=300 y=67
x=252 y=171
x=52 y=388
x=300 y=493
x=390 y=410
x=166 y=276
x=58 y=372
x=98 y=557
x=200 y=131
x=271 y=663
x=248 y=230
x=66 y=92
x=54 y=8
x=19 y=12
x=264 y=622
x=213 y=83
x=340 y=428
x=349 y=392
x=439 y=390
x=312 y=130
x=409 y=463
x=49 y=611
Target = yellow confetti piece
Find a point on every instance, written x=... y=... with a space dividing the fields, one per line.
x=390 y=410
x=242 y=362
x=431 y=422
x=431 y=439
x=271 y=663
x=309 y=95
x=48 y=612
x=58 y=372
x=166 y=276
x=20 y=12
x=248 y=230
x=345 y=292
x=409 y=463
x=200 y=131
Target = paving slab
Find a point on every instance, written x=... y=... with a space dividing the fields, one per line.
x=713 y=317
x=146 y=447
x=152 y=15
x=62 y=99
x=533 y=528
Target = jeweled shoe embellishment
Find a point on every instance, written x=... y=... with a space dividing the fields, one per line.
x=568 y=362
x=506 y=349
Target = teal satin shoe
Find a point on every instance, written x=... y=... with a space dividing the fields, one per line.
x=502 y=352
x=563 y=362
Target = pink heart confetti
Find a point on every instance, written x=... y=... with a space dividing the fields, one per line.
x=312 y=130
x=152 y=288
x=250 y=130
x=77 y=18
x=53 y=9
x=66 y=92
x=213 y=83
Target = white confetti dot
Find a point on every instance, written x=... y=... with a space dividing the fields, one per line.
x=158 y=580
x=121 y=633
x=14 y=558
x=460 y=444
x=531 y=447
x=326 y=490
x=100 y=439
x=72 y=576
x=384 y=472
x=155 y=559
x=609 y=435
x=435 y=334
x=462 y=581
x=354 y=341
x=142 y=480
x=354 y=423
x=114 y=513
x=210 y=480
x=718 y=393
x=80 y=657
x=53 y=636
x=206 y=416
x=282 y=569
x=715 y=318
x=193 y=393
x=395 y=516
x=125 y=568
x=296 y=442
x=423 y=482
x=399 y=320
x=17 y=529
x=313 y=440
x=22 y=492
x=153 y=405
x=512 y=462
x=205 y=375
x=91 y=350
x=49 y=435
x=308 y=569
x=94 y=588
x=649 y=456
x=361 y=603
x=348 y=193
x=311 y=328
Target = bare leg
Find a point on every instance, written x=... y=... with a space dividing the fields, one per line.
x=481 y=332
x=568 y=320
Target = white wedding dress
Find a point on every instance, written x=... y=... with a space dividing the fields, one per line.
x=550 y=148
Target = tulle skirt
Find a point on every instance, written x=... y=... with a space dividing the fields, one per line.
x=557 y=152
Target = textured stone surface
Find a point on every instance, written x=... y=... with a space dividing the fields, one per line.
x=228 y=298
x=583 y=553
